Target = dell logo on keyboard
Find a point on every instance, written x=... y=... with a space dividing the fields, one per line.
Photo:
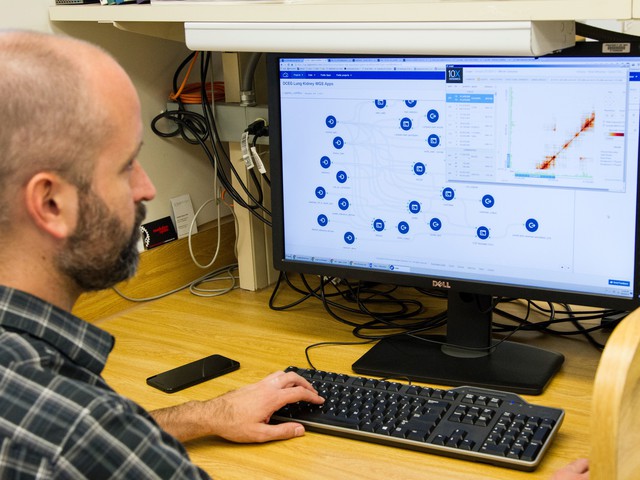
x=440 y=284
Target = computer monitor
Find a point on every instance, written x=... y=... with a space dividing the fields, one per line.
x=484 y=177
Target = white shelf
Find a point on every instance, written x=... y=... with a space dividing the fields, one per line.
x=404 y=19
x=439 y=38
x=353 y=11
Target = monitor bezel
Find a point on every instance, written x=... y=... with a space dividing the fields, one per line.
x=442 y=283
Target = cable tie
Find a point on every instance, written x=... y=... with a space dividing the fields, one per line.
x=258 y=161
x=246 y=154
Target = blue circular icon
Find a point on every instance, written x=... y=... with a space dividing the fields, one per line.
x=433 y=116
x=414 y=206
x=448 y=193
x=433 y=140
x=419 y=168
x=323 y=220
x=338 y=142
x=343 y=204
x=483 y=233
x=325 y=162
x=410 y=103
x=341 y=176
x=321 y=192
x=378 y=225
x=435 y=224
x=403 y=228
x=349 y=237
x=381 y=103
x=331 y=121
x=406 y=124
x=532 y=225
x=488 y=201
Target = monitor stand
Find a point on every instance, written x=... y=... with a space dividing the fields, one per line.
x=465 y=356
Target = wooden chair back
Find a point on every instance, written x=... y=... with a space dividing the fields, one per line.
x=615 y=420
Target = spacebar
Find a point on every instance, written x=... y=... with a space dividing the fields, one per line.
x=333 y=420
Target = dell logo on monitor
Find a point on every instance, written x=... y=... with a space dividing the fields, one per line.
x=440 y=284
x=454 y=74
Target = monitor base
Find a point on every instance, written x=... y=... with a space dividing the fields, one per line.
x=512 y=367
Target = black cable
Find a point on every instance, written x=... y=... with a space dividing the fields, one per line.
x=273 y=306
x=176 y=75
x=406 y=318
x=189 y=125
x=603 y=35
x=323 y=344
x=218 y=147
x=256 y=183
x=254 y=142
x=553 y=319
x=221 y=153
x=201 y=129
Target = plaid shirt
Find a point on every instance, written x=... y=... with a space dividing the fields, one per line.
x=58 y=417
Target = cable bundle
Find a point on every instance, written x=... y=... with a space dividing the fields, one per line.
x=376 y=311
x=201 y=129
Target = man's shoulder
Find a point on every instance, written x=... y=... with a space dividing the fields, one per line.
x=45 y=393
x=52 y=410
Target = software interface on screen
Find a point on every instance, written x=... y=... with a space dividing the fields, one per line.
x=508 y=170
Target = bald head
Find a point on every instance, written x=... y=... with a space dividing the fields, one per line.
x=58 y=105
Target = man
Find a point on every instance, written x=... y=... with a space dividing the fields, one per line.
x=73 y=195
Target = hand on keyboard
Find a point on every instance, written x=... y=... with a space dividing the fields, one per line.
x=247 y=411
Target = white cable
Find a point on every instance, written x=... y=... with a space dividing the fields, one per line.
x=193 y=285
x=196 y=289
x=216 y=199
x=193 y=221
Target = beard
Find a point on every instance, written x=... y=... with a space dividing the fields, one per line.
x=102 y=251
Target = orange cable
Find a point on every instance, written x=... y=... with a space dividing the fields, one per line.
x=174 y=96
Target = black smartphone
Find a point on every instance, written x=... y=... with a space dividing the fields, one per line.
x=193 y=373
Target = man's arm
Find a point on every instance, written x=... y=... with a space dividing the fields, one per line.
x=241 y=415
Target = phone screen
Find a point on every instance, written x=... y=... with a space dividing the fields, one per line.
x=193 y=373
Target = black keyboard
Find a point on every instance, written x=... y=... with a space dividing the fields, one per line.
x=471 y=423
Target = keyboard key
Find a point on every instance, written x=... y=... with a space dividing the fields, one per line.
x=439 y=439
x=467 y=444
x=418 y=435
x=531 y=451
x=469 y=399
x=515 y=452
x=541 y=434
x=499 y=449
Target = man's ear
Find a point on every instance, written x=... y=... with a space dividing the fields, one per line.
x=52 y=203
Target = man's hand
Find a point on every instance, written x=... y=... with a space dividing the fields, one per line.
x=578 y=470
x=244 y=414
x=241 y=415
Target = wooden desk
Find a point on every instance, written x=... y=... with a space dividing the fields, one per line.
x=166 y=333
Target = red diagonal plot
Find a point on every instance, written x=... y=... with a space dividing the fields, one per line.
x=550 y=160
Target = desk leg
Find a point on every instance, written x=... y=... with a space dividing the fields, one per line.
x=254 y=238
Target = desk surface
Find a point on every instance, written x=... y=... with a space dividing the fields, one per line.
x=156 y=336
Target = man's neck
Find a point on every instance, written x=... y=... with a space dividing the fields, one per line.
x=60 y=292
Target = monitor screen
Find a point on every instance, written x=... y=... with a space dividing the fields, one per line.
x=481 y=176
